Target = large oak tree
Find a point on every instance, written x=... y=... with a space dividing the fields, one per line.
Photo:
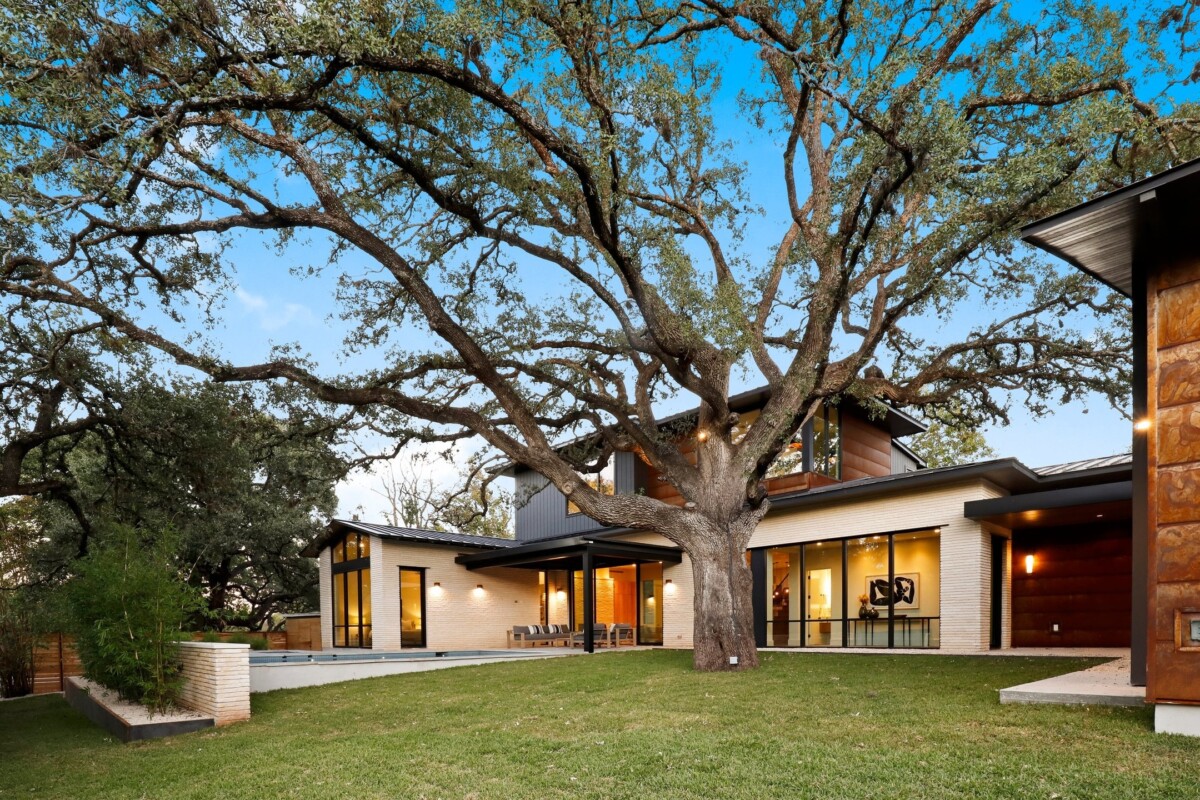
x=563 y=239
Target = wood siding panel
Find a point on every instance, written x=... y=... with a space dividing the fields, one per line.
x=1082 y=580
x=866 y=449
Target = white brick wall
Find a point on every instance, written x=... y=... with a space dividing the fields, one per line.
x=216 y=680
x=325 y=576
x=458 y=616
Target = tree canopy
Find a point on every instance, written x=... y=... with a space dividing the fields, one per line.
x=561 y=233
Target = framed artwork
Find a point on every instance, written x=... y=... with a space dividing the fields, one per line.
x=906 y=586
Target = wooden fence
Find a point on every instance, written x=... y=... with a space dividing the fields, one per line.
x=54 y=660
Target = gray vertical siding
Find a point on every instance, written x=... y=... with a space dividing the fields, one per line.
x=542 y=508
x=902 y=462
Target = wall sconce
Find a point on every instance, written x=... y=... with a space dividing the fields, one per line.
x=437 y=588
x=1029 y=564
x=479 y=590
x=1142 y=425
x=561 y=594
x=668 y=587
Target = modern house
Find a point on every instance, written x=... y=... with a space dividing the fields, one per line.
x=967 y=558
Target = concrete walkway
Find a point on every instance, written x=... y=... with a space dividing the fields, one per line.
x=1102 y=685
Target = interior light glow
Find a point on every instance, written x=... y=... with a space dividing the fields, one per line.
x=1029 y=564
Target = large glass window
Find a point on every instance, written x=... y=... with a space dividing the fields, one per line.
x=412 y=607
x=823 y=594
x=785 y=600
x=916 y=587
x=352 y=591
x=827 y=442
x=867 y=578
x=881 y=590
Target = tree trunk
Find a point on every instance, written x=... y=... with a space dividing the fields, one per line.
x=723 y=630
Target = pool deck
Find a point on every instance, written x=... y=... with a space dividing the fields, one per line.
x=356 y=664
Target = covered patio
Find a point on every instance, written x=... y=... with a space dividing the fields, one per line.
x=583 y=556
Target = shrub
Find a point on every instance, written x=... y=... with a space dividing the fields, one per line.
x=16 y=647
x=127 y=607
x=259 y=643
x=210 y=636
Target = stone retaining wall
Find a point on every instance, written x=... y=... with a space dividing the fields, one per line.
x=216 y=680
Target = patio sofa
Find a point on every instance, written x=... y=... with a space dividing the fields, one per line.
x=529 y=635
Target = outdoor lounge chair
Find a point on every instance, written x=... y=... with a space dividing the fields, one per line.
x=599 y=636
x=620 y=633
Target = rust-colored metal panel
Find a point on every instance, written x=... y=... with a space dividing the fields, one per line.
x=1179 y=434
x=1081 y=581
x=1178 y=494
x=1179 y=315
x=1178 y=376
x=1177 y=272
x=1171 y=597
x=1178 y=553
x=1173 y=677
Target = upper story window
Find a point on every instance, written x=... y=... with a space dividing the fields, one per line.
x=604 y=482
x=827 y=442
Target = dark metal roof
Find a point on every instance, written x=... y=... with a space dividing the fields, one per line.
x=338 y=527
x=1007 y=473
x=1101 y=235
x=566 y=553
x=1120 y=460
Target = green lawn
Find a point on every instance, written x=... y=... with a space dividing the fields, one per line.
x=636 y=725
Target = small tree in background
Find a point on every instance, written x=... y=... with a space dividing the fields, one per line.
x=16 y=647
x=127 y=607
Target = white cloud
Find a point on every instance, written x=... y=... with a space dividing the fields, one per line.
x=273 y=314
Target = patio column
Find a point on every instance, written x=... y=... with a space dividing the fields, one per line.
x=589 y=603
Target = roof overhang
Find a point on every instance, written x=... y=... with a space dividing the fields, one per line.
x=1102 y=236
x=339 y=527
x=568 y=554
x=1056 y=507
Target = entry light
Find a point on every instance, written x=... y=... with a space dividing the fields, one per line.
x=437 y=587
x=1142 y=425
x=1029 y=564
x=479 y=590
x=668 y=587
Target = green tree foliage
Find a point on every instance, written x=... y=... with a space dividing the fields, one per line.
x=243 y=490
x=946 y=444
x=543 y=188
x=16 y=646
x=127 y=605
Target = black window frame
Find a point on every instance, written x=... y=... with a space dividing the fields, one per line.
x=424 y=605
x=352 y=567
